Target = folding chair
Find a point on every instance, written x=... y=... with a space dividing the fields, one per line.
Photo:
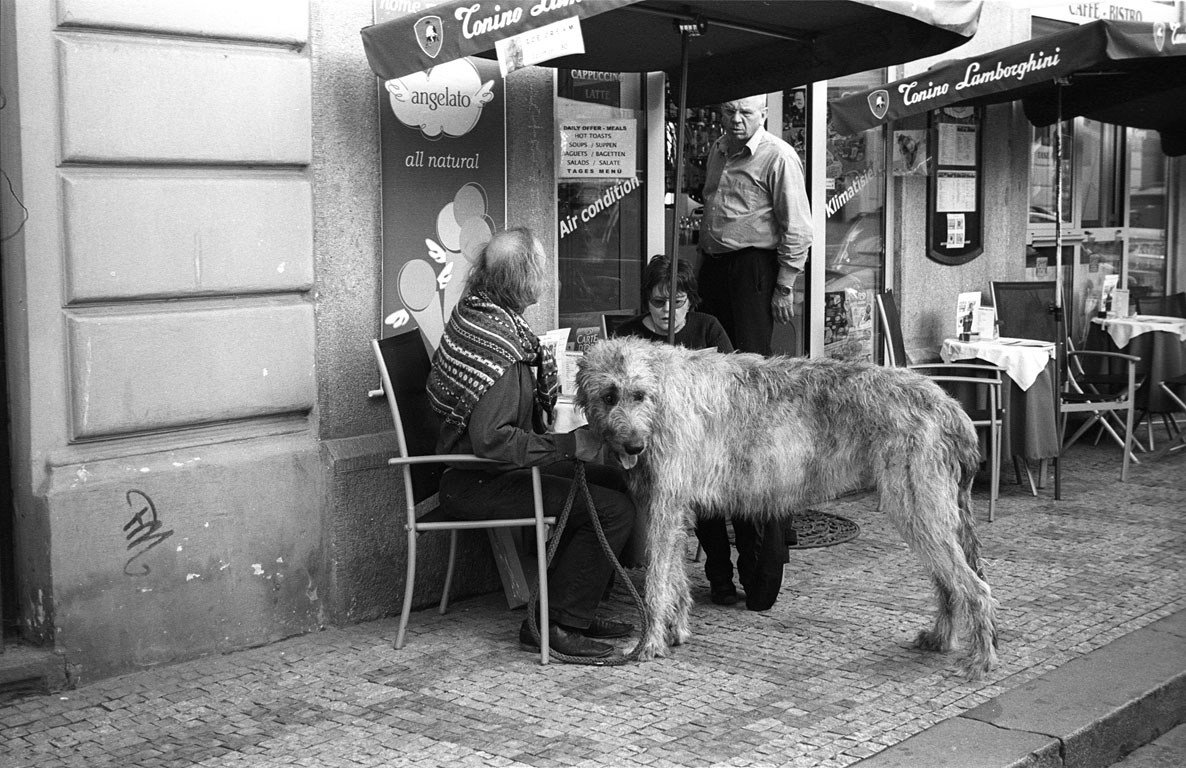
x=1024 y=309
x=1179 y=440
x=1100 y=396
x=977 y=387
x=404 y=368
x=611 y=321
x=891 y=330
x=1024 y=312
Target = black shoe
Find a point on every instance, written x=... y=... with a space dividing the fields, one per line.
x=724 y=594
x=759 y=604
x=604 y=629
x=565 y=642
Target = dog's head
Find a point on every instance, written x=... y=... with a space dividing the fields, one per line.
x=618 y=389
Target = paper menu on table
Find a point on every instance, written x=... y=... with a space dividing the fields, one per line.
x=986 y=323
x=1120 y=302
x=967 y=306
x=557 y=342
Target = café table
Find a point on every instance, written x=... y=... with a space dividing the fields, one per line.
x=1030 y=428
x=1160 y=342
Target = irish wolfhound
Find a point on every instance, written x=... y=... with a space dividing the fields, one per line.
x=750 y=436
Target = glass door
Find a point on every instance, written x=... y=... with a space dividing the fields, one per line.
x=601 y=160
x=855 y=209
x=1145 y=204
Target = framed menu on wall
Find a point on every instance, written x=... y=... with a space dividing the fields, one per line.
x=955 y=183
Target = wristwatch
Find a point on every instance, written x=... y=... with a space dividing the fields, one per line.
x=784 y=290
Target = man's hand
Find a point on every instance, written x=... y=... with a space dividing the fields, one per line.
x=783 y=307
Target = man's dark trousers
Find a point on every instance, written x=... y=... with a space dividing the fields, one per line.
x=737 y=287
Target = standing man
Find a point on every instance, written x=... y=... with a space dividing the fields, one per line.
x=754 y=237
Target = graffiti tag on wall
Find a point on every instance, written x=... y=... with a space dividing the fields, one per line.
x=143 y=531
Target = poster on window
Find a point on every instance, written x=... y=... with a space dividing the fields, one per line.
x=443 y=144
x=848 y=324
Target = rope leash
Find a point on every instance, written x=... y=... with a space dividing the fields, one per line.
x=579 y=482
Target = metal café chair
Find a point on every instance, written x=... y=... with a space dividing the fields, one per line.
x=403 y=368
x=977 y=387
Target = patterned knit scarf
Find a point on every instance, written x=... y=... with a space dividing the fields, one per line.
x=481 y=341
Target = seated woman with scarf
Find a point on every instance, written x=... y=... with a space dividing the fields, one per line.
x=495 y=386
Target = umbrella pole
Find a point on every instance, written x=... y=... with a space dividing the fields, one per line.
x=1060 y=335
x=681 y=121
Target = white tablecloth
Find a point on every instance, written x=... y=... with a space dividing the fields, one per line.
x=1022 y=359
x=1122 y=329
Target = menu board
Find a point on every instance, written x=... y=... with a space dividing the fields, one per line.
x=955 y=185
x=591 y=149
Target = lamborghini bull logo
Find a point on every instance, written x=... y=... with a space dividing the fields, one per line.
x=428 y=35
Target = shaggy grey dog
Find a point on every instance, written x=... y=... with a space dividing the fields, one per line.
x=750 y=436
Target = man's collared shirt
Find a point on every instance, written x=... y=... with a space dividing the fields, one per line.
x=757 y=198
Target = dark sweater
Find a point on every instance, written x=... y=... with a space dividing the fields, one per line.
x=700 y=331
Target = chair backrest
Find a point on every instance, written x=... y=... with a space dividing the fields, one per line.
x=1023 y=309
x=611 y=321
x=404 y=367
x=1173 y=305
x=891 y=330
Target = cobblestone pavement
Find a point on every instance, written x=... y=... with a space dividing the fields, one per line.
x=825 y=678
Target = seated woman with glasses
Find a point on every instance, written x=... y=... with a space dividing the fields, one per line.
x=761 y=553
x=694 y=330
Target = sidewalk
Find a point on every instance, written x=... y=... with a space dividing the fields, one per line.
x=1092 y=665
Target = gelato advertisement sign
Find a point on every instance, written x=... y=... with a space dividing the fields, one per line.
x=444 y=187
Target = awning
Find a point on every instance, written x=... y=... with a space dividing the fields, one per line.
x=1123 y=72
x=747 y=47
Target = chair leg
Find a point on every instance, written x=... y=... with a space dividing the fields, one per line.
x=1128 y=427
x=409 y=588
x=995 y=478
x=449 y=573
x=541 y=564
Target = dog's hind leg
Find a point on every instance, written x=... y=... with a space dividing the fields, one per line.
x=928 y=514
x=965 y=600
x=941 y=637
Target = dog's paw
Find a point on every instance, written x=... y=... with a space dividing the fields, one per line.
x=677 y=636
x=652 y=649
x=974 y=668
x=929 y=640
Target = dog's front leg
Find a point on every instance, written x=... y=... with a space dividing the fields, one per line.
x=667 y=594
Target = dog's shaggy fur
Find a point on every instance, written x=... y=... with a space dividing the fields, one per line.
x=749 y=436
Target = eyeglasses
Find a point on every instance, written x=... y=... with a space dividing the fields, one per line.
x=658 y=302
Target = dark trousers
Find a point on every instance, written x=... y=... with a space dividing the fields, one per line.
x=737 y=289
x=761 y=555
x=580 y=569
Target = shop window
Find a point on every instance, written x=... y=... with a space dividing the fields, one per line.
x=1146 y=214
x=855 y=207
x=1043 y=187
x=601 y=130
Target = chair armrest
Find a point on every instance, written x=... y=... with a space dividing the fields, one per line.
x=1105 y=355
x=996 y=382
x=450 y=458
